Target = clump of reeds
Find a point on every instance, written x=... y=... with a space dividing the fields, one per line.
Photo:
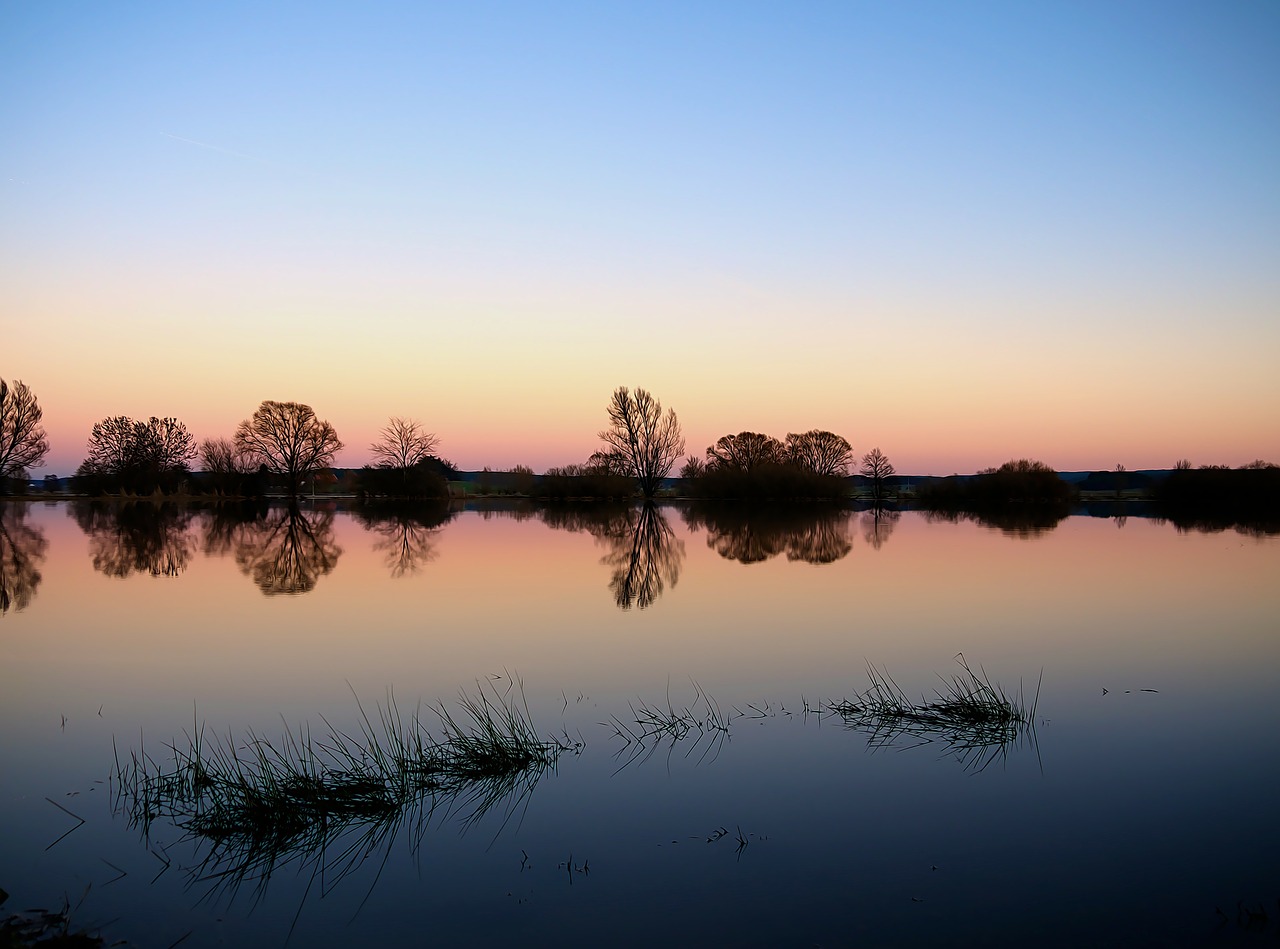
x=260 y=803
x=974 y=718
x=651 y=726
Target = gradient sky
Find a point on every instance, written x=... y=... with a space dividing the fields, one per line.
x=960 y=232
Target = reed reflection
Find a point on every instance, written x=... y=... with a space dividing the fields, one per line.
x=753 y=535
x=286 y=550
x=642 y=550
x=323 y=808
x=137 y=536
x=406 y=532
x=22 y=550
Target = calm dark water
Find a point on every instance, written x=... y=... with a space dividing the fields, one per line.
x=1140 y=811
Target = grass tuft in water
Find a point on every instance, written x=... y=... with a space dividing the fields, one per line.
x=650 y=726
x=261 y=803
x=975 y=719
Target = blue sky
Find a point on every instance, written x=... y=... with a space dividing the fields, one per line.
x=953 y=230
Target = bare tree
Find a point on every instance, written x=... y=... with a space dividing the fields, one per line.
x=693 y=468
x=403 y=443
x=111 y=446
x=23 y=443
x=226 y=466
x=877 y=467
x=289 y=439
x=137 y=456
x=744 y=451
x=823 y=453
x=646 y=442
x=165 y=444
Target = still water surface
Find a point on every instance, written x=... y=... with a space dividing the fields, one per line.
x=1140 y=811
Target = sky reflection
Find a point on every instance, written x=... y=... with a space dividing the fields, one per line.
x=1155 y=719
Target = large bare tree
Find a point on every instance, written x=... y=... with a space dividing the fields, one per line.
x=645 y=442
x=23 y=443
x=289 y=439
x=823 y=453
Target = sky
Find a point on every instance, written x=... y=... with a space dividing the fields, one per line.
x=961 y=233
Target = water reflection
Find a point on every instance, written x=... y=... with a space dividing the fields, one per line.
x=406 y=533
x=812 y=534
x=1258 y=527
x=131 y=537
x=642 y=550
x=1028 y=521
x=285 y=550
x=877 y=524
x=22 y=550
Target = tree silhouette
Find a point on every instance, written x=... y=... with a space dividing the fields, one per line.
x=22 y=550
x=229 y=470
x=744 y=452
x=405 y=449
x=403 y=443
x=23 y=443
x=139 y=457
x=642 y=441
x=877 y=468
x=822 y=452
x=289 y=439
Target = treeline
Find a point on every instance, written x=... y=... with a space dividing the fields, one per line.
x=285 y=447
x=1218 y=497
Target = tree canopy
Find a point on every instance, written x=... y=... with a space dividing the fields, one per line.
x=289 y=439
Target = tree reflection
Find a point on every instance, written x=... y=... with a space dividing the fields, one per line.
x=1026 y=522
x=406 y=533
x=136 y=536
x=642 y=550
x=751 y=535
x=22 y=550
x=877 y=524
x=288 y=550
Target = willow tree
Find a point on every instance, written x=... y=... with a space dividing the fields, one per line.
x=289 y=439
x=641 y=440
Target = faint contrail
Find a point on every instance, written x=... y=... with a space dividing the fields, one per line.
x=216 y=148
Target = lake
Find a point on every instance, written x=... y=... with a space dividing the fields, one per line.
x=686 y=668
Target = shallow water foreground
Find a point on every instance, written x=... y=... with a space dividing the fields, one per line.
x=683 y=671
